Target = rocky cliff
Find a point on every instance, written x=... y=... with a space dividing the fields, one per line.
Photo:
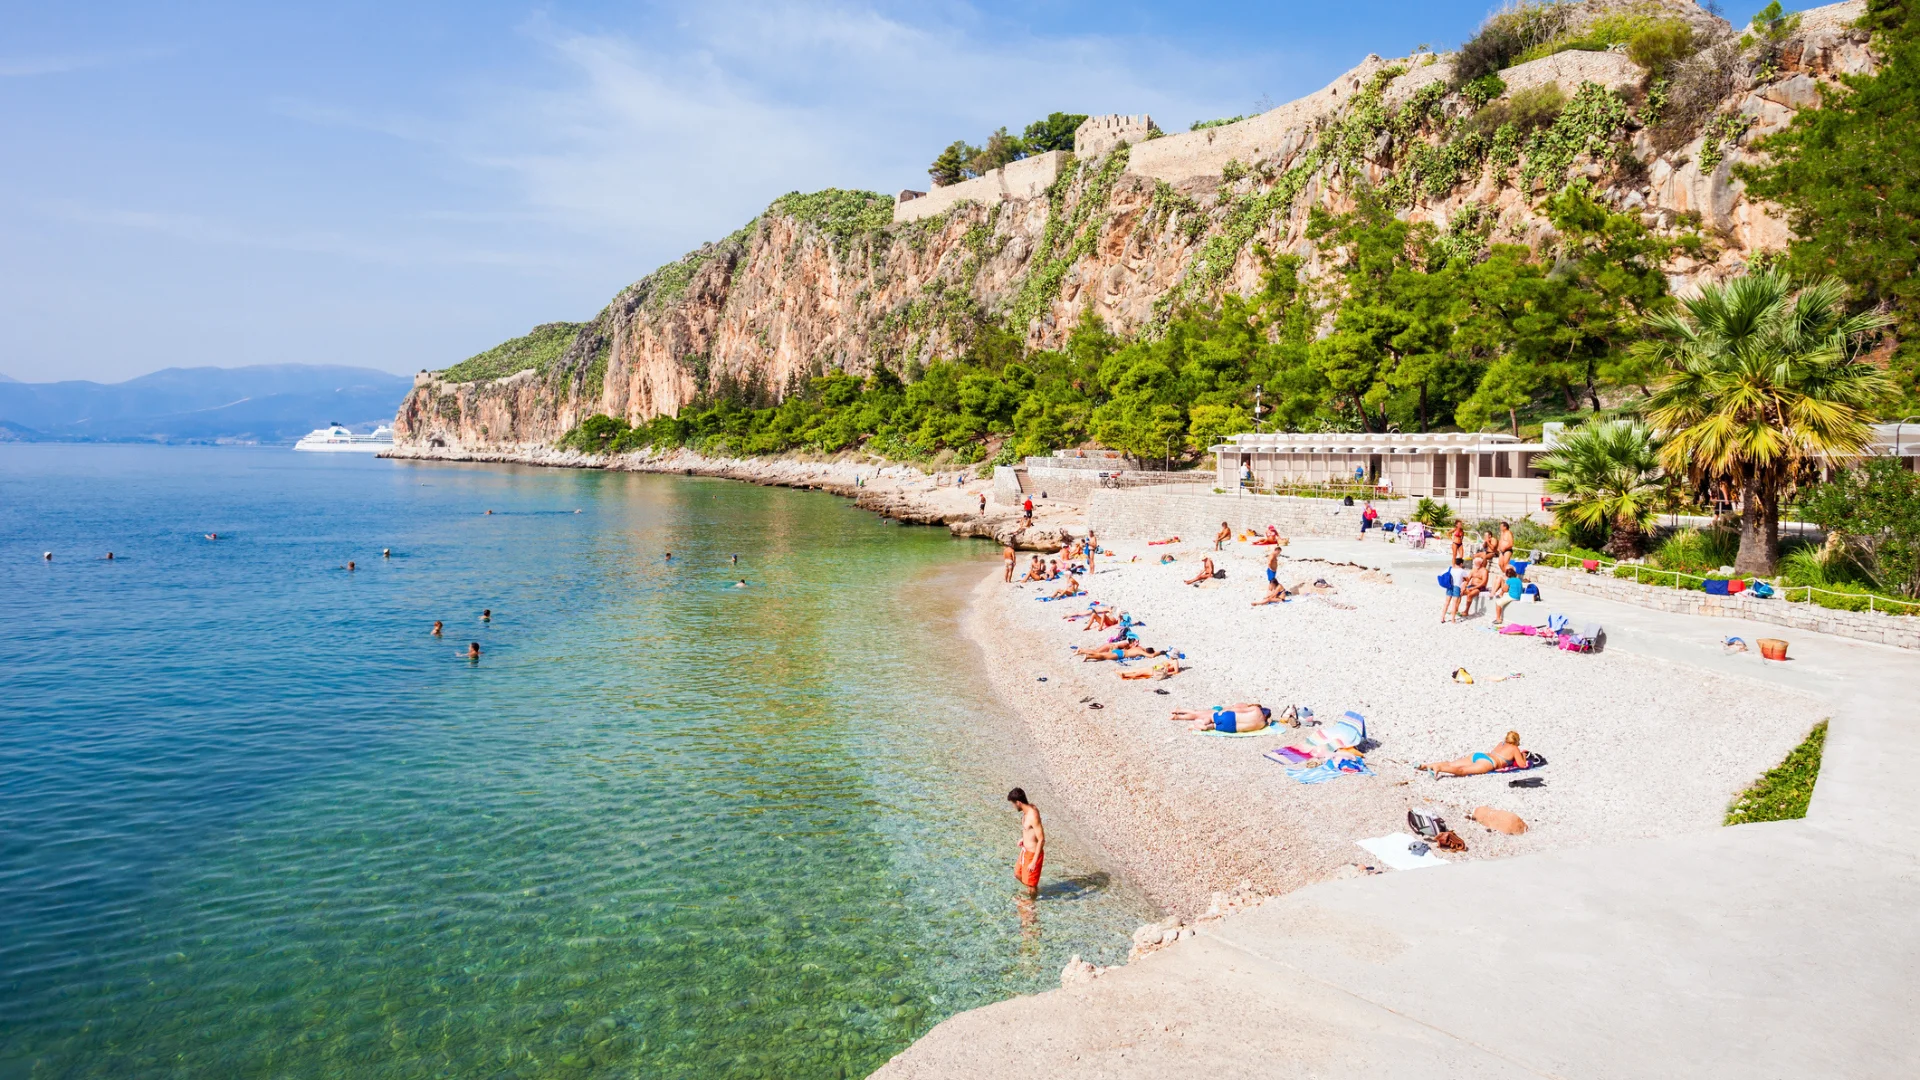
x=830 y=281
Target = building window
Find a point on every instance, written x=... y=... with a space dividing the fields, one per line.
x=1503 y=464
x=1486 y=464
x=1439 y=475
x=1526 y=466
x=1373 y=467
x=1460 y=475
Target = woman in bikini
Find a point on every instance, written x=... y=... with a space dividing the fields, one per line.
x=1505 y=755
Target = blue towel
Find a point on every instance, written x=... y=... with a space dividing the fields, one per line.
x=1331 y=769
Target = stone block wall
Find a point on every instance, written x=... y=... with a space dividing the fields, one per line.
x=1902 y=631
x=1027 y=178
x=1195 y=513
x=1098 y=134
x=1006 y=485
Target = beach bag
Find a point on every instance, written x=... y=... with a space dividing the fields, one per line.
x=1425 y=821
x=1736 y=586
x=1220 y=575
x=1446 y=580
x=1761 y=589
x=1533 y=591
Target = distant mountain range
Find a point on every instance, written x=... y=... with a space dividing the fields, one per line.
x=269 y=403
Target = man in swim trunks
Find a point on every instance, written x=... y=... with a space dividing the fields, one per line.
x=1072 y=587
x=1007 y=556
x=1206 y=571
x=1241 y=716
x=1225 y=534
x=1506 y=755
x=1026 y=507
x=1033 y=842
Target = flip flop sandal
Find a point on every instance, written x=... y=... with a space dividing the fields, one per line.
x=1096 y=705
x=1161 y=691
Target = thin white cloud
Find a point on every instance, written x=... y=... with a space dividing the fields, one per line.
x=20 y=67
x=686 y=128
x=198 y=229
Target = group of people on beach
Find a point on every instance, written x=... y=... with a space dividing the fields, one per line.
x=1471 y=574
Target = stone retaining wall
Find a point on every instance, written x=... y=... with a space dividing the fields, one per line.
x=1902 y=631
x=1027 y=178
x=1195 y=513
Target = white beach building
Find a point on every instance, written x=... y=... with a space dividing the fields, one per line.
x=1479 y=475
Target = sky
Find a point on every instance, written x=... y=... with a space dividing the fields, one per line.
x=400 y=186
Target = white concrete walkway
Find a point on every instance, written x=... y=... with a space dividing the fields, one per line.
x=1790 y=949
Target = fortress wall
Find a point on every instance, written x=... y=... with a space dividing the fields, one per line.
x=1027 y=178
x=1098 y=134
x=1570 y=69
x=1278 y=132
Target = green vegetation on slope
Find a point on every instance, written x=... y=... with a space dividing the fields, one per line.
x=1848 y=174
x=534 y=351
x=1786 y=789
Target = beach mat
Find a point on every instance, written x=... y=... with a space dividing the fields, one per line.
x=1392 y=850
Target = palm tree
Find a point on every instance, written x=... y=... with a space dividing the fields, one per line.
x=1760 y=380
x=1608 y=475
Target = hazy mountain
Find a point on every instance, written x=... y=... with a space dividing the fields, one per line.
x=270 y=403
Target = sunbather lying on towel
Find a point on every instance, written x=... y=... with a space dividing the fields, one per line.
x=1099 y=619
x=1206 y=571
x=1072 y=588
x=1273 y=538
x=1236 y=718
x=1505 y=755
x=1123 y=650
x=1165 y=669
x=1168 y=540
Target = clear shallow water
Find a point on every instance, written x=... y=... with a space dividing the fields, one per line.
x=254 y=820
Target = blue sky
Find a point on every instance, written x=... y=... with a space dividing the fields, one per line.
x=399 y=186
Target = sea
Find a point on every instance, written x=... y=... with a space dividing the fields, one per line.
x=257 y=820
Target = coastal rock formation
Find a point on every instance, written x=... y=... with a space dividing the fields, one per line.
x=831 y=282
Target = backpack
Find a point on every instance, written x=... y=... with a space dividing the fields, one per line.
x=1425 y=821
x=1446 y=580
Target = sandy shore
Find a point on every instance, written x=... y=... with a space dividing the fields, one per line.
x=947 y=497
x=1637 y=747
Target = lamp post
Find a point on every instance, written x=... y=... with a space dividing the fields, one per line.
x=1258 y=389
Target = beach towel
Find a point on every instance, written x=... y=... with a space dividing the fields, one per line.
x=1392 y=850
x=1069 y=596
x=1517 y=628
x=1342 y=733
x=1736 y=586
x=1534 y=761
x=1713 y=587
x=1331 y=769
x=1287 y=755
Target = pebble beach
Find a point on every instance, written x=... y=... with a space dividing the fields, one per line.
x=1636 y=746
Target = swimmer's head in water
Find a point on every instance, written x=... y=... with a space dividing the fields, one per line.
x=1018 y=797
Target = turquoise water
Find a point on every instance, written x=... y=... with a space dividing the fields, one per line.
x=256 y=821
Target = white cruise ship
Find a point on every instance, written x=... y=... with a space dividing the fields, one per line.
x=335 y=439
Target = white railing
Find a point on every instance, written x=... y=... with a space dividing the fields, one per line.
x=1887 y=605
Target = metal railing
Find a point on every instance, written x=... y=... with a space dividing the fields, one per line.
x=1887 y=604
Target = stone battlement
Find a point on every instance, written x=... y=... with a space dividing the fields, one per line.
x=1024 y=179
x=1099 y=134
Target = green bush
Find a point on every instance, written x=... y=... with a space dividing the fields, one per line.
x=1202 y=125
x=1437 y=515
x=537 y=349
x=1694 y=551
x=1784 y=792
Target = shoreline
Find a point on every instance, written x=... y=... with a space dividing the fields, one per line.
x=892 y=490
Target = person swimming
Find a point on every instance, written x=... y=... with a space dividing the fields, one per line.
x=669 y=556
x=48 y=555
x=486 y=614
x=386 y=553
x=350 y=567
x=109 y=556
x=213 y=536
x=473 y=651
x=736 y=560
x=436 y=627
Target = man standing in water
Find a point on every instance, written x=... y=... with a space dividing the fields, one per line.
x=1033 y=842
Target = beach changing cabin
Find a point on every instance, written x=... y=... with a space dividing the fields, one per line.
x=1479 y=475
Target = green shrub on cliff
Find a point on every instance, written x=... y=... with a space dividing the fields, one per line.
x=536 y=350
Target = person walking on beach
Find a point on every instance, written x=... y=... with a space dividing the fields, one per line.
x=1033 y=842
x=1026 y=507
x=983 y=504
x=1007 y=556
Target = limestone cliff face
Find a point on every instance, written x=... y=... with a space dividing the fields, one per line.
x=805 y=290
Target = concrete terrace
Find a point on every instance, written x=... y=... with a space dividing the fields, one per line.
x=1788 y=949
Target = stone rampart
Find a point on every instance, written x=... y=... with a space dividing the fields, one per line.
x=1098 y=134
x=1027 y=178
x=1195 y=513
x=1568 y=70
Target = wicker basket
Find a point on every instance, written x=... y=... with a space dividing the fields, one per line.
x=1773 y=648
